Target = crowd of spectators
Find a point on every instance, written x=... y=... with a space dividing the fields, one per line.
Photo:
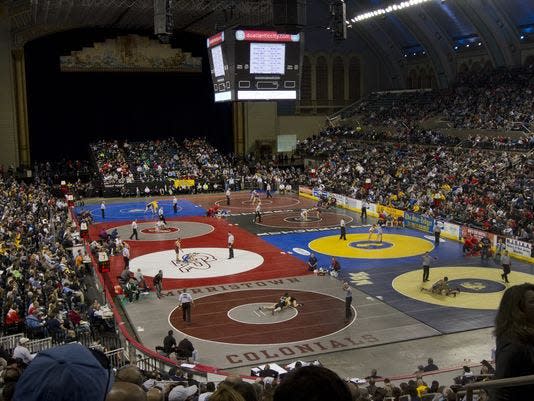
x=488 y=189
x=111 y=163
x=433 y=137
x=83 y=374
x=155 y=164
x=499 y=99
x=42 y=282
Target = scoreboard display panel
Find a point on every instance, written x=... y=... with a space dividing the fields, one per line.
x=255 y=65
x=220 y=54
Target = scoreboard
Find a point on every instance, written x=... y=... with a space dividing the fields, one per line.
x=255 y=65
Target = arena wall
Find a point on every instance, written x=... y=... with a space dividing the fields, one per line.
x=302 y=126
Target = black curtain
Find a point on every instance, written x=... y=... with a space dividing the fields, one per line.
x=69 y=110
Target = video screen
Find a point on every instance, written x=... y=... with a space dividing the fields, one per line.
x=218 y=62
x=267 y=58
x=220 y=54
x=255 y=65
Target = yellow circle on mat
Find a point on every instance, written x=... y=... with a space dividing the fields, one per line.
x=410 y=284
x=359 y=246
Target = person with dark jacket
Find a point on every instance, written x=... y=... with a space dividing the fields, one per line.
x=268 y=372
x=169 y=343
x=185 y=349
x=430 y=366
x=514 y=331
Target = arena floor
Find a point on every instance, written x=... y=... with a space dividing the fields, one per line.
x=230 y=332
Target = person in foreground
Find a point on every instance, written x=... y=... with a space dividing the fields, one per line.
x=312 y=383
x=514 y=331
x=68 y=372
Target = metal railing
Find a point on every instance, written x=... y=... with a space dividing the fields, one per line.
x=117 y=358
x=469 y=389
x=10 y=342
x=35 y=346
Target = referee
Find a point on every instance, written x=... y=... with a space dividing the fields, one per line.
x=343 y=229
x=348 y=301
x=186 y=300
x=134 y=230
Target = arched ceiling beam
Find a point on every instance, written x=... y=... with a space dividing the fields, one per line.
x=498 y=35
x=393 y=70
x=493 y=51
x=436 y=44
x=391 y=48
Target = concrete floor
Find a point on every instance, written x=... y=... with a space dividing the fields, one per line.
x=402 y=358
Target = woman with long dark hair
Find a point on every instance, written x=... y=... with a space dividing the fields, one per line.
x=514 y=330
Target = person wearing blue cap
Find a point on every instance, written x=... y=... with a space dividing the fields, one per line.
x=70 y=372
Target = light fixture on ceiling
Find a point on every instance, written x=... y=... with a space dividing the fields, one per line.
x=383 y=11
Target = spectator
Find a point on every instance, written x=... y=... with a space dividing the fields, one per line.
x=312 y=383
x=374 y=375
x=210 y=388
x=182 y=393
x=22 y=353
x=69 y=372
x=514 y=330
x=225 y=393
x=430 y=366
x=124 y=391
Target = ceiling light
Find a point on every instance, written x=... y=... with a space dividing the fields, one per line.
x=388 y=9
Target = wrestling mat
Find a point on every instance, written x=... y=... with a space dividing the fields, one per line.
x=270 y=258
x=391 y=271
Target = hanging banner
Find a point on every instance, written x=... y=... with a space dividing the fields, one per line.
x=354 y=204
x=390 y=211
x=419 y=222
x=449 y=230
x=305 y=191
x=518 y=247
x=183 y=183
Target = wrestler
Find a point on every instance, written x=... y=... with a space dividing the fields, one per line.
x=178 y=248
x=375 y=229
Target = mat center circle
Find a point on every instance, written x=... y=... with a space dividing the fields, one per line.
x=260 y=313
x=263 y=202
x=298 y=219
x=370 y=245
x=154 y=230
x=476 y=285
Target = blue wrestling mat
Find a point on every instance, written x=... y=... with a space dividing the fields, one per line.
x=137 y=210
x=391 y=271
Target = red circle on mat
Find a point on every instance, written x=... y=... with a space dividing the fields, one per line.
x=320 y=315
x=283 y=220
x=242 y=201
x=166 y=230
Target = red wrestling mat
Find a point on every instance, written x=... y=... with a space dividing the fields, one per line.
x=275 y=264
x=240 y=202
x=234 y=317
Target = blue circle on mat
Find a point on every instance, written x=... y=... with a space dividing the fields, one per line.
x=370 y=244
x=477 y=285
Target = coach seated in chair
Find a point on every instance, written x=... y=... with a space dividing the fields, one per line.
x=185 y=349
x=131 y=289
x=312 y=262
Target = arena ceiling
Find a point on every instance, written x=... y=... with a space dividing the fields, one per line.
x=433 y=29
